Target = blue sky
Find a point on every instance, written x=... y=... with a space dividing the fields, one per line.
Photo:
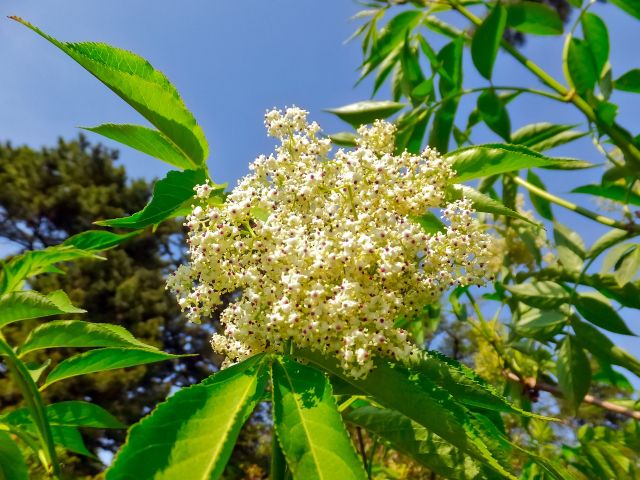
x=231 y=60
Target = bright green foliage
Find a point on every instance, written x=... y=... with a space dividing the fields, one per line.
x=102 y=359
x=12 y=464
x=485 y=160
x=78 y=333
x=147 y=90
x=192 y=434
x=366 y=112
x=309 y=428
x=629 y=82
x=486 y=40
x=18 y=306
x=69 y=414
x=147 y=140
x=169 y=195
x=544 y=136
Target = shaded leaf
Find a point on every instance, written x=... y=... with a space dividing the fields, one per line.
x=573 y=372
x=534 y=18
x=98 y=240
x=543 y=136
x=570 y=247
x=494 y=114
x=580 y=66
x=542 y=205
x=12 y=464
x=365 y=112
x=618 y=193
x=344 y=139
x=632 y=7
x=601 y=313
x=629 y=82
x=483 y=203
x=543 y=295
x=69 y=414
x=24 y=305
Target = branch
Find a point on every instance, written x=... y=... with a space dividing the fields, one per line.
x=532 y=384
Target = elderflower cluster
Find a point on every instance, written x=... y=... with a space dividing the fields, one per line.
x=325 y=253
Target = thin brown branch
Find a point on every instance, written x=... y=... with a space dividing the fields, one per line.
x=532 y=384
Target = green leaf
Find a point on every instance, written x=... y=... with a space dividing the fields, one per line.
x=534 y=18
x=597 y=38
x=617 y=193
x=98 y=240
x=430 y=223
x=79 y=334
x=310 y=430
x=104 y=359
x=450 y=58
x=70 y=439
x=543 y=295
x=570 y=247
x=147 y=90
x=344 y=139
x=580 y=66
x=192 y=434
x=146 y=140
x=412 y=439
x=632 y=7
x=169 y=195
x=628 y=268
x=486 y=40
x=32 y=263
x=491 y=159
x=494 y=114
x=629 y=82
x=483 y=203
x=599 y=312
x=609 y=239
x=535 y=320
x=544 y=136
x=12 y=464
x=18 y=306
x=360 y=113
x=542 y=205
x=395 y=387
x=602 y=347
x=69 y=414
x=573 y=372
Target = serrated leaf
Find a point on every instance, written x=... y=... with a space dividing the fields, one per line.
x=492 y=159
x=599 y=312
x=486 y=40
x=192 y=434
x=543 y=295
x=79 y=334
x=12 y=464
x=617 y=193
x=414 y=440
x=73 y=413
x=484 y=203
x=629 y=82
x=25 y=305
x=169 y=195
x=310 y=430
x=597 y=37
x=573 y=372
x=542 y=205
x=543 y=136
x=535 y=320
x=103 y=359
x=146 y=140
x=395 y=387
x=360 y=113
x=534 y=18
x=98 y=240
x=140 y=85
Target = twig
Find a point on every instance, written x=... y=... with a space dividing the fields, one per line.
x=532 y=384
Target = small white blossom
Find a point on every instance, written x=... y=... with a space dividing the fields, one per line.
x=323 y=253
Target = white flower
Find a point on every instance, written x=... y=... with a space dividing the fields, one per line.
x=323 y=253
